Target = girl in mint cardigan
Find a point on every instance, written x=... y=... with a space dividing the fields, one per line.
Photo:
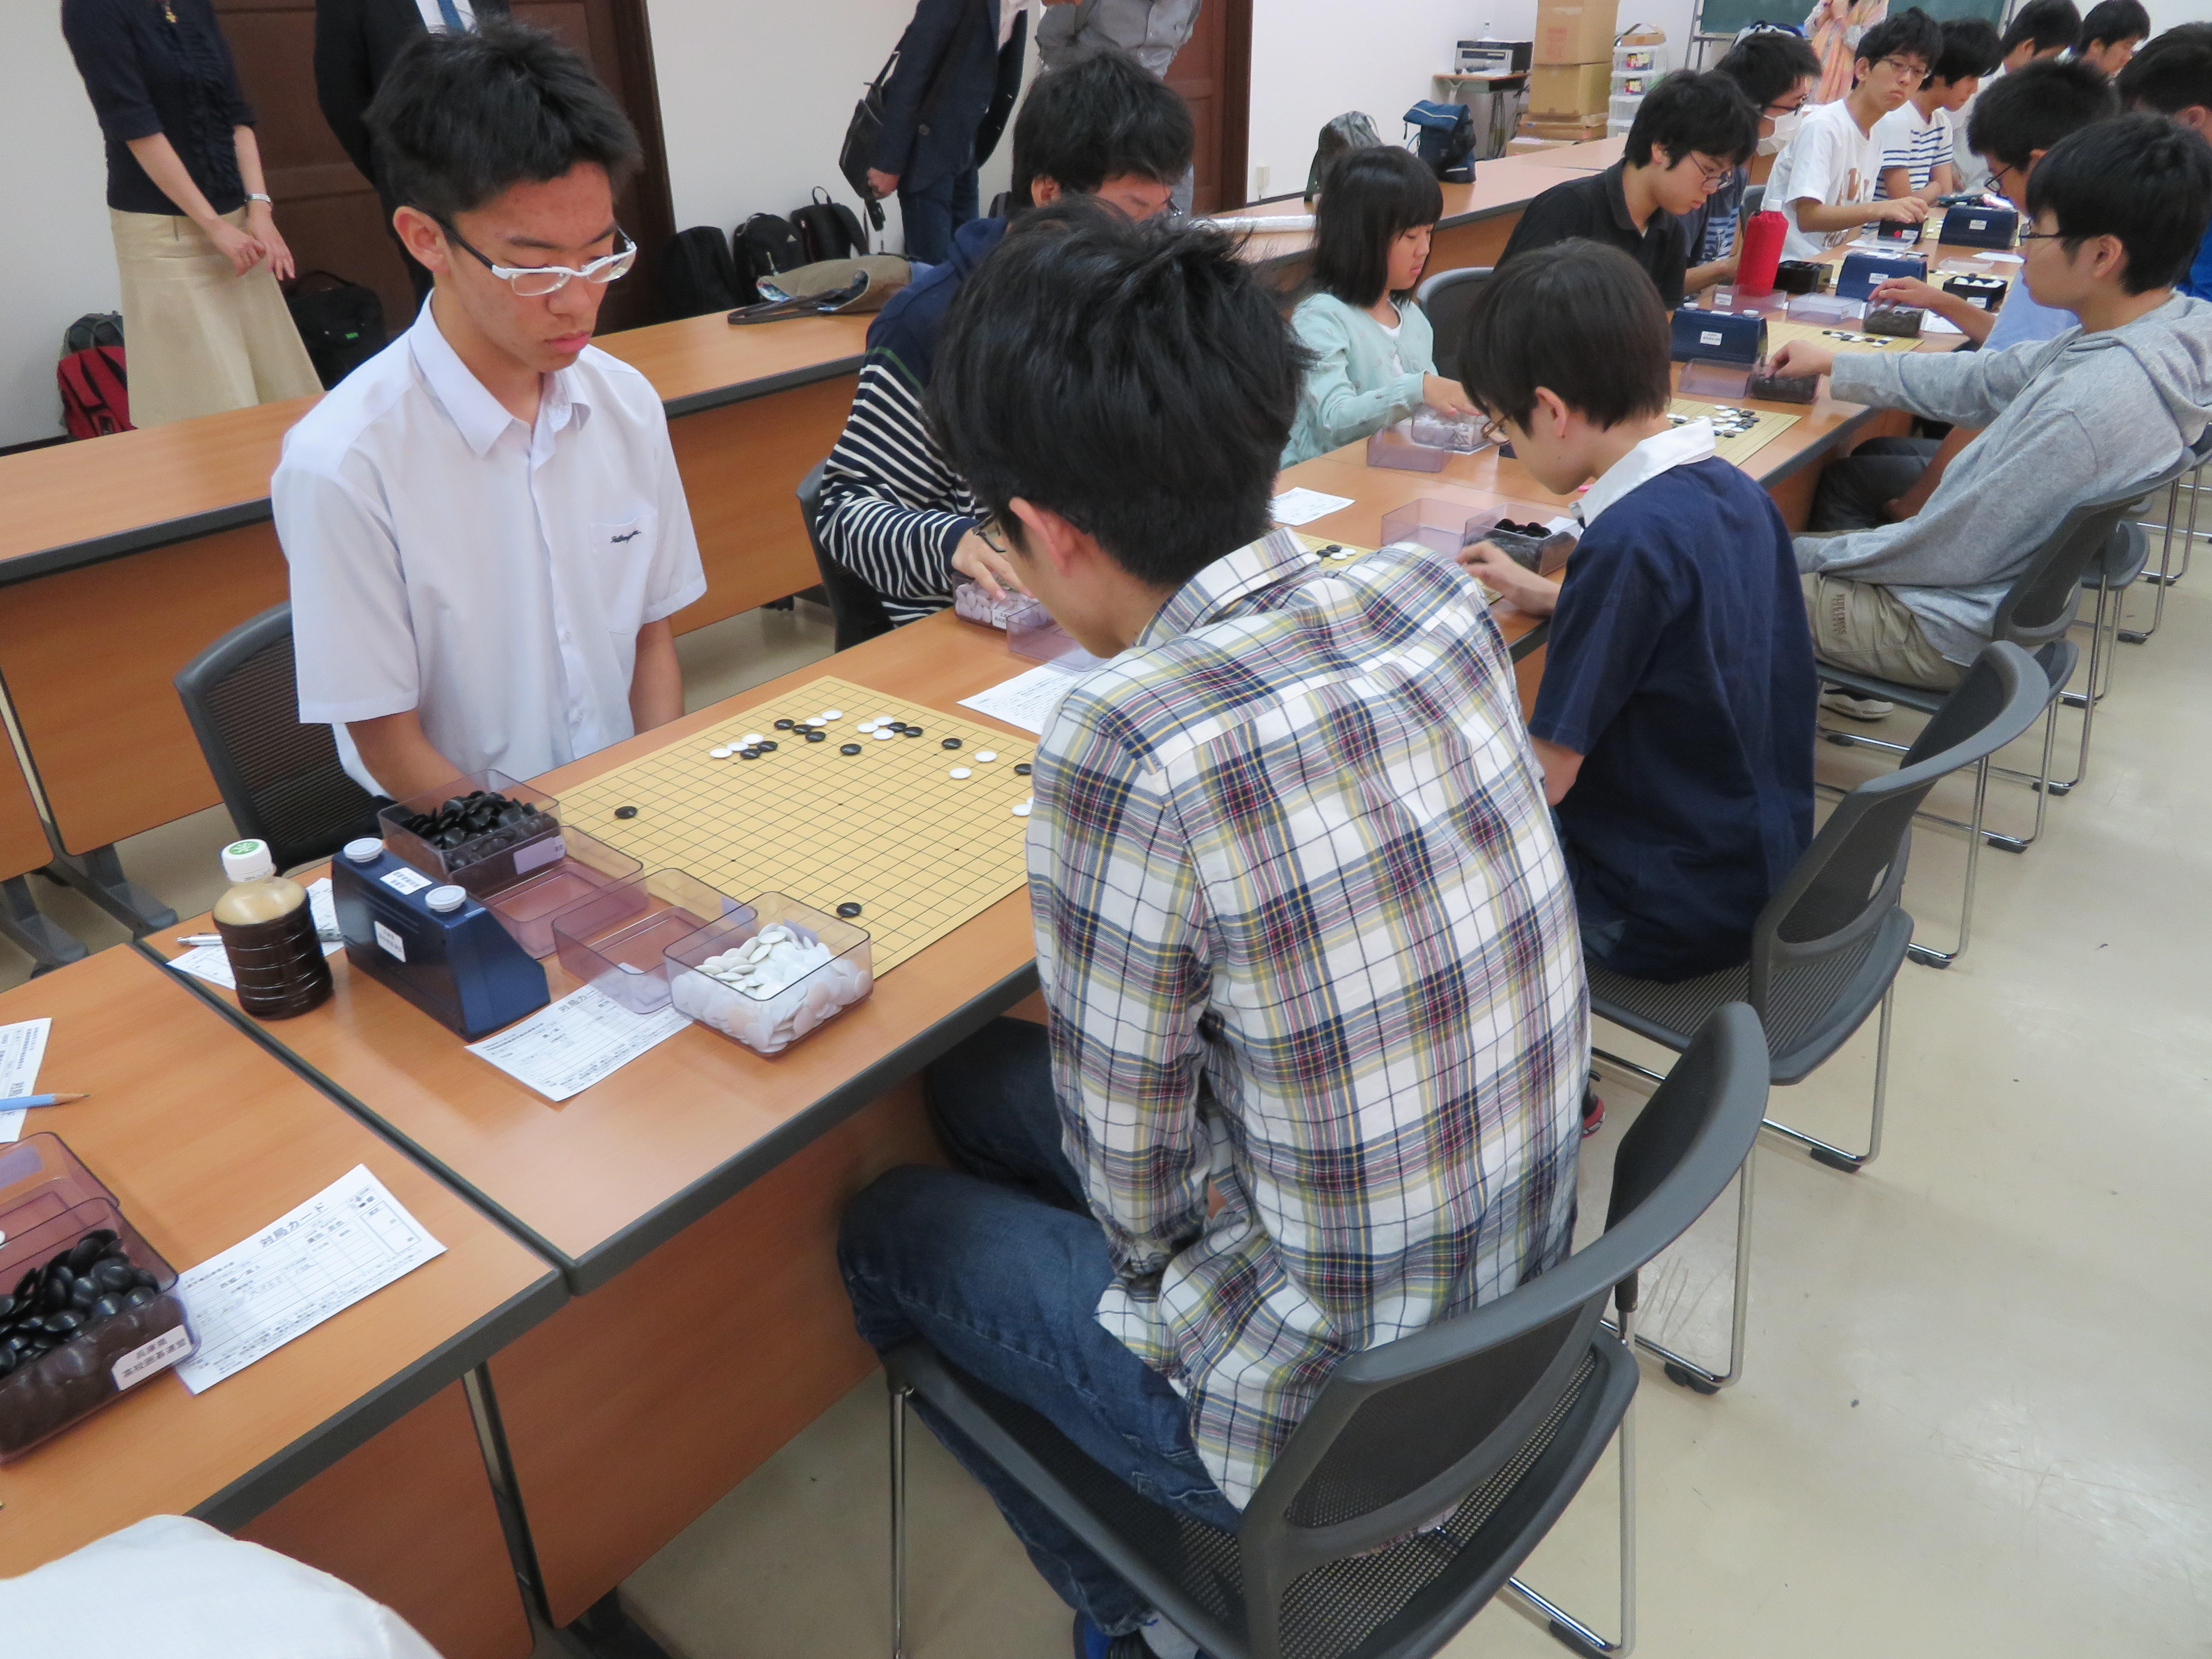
x=1374 y=355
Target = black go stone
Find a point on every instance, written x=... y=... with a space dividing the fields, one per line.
x=785 y=725
x=848 y=909
x=748 y=754
x=1022 y=770
x=817 y=737
x=952 y=742
x=848 y=749
x=625 y=811
x=768 y=747
x=912 y=732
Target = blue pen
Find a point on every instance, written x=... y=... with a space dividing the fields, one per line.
x=21 y=1100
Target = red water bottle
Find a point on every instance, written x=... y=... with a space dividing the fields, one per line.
x=1762 y=253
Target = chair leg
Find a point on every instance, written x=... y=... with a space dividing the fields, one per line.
x=1835 y=1156
x=1928 y=955
x=898 y=1520
x=1569 y=1630
x=2159 y=582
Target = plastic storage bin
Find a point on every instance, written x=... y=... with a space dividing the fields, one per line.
x=1620 y=109
x=53 y=1210
x=485 y=863
x=1826 y=311
x=1702 y=378
x=971 y=600
x=1033 y=634
x=1396 y=447
x=526 y=910
x=1643 y=57
x=769 y=1023
x=616 y=941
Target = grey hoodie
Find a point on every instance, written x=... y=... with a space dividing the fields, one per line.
x=1151 y=31
x=2066 y=420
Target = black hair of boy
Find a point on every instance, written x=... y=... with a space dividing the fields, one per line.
x=2172 y=73
x=2110 y=21
x=2052 y=25
x=1369 y=199
x=2139 y=177
x=1105 y=117
x=1578 y=317
x=1700 y=110
x=2033 y=108
x=1768 y=66
x=1909 y=33
x=1157 y=424
x=1971 y=51
x=463 y=116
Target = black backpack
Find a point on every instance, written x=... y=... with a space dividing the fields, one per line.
x=1350 y=131
x=342 y=323
x=1446 y=140
x=828 y=230
x=94 y=328
x=761 y=246
x=695 y=274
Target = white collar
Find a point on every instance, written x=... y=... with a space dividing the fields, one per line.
x=481 y=417
x=1663 y=452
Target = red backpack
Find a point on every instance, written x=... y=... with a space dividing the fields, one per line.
x=95 y=389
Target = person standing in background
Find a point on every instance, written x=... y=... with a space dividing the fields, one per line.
x=1833 y=26
x=959 y=71
x=196 y=241
x=355 y=41
x=1151 y=31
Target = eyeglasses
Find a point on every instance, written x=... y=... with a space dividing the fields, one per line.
x=1912 y=74
x=2042 y=236
x=1784 y=109
x=533 y=282
x=1711 y=172
x=987 y=527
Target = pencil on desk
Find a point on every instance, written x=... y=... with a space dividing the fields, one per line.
x=19 y=1101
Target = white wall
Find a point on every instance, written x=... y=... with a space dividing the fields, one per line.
x=54 y=193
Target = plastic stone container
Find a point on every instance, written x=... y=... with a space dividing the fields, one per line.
x=1702 y=378
x=526 y=910
x=616 y=941
x=1033 y=634
x=770 y=1024
x=1826 y=311
x=489 y=863
x=971 y=600
x=50 y=1203
x=1460 y=433
x=1397 y=448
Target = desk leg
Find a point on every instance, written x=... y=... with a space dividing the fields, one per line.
x=99 y=876
x=409 y=1519
x=632 y=1410
x=36 y=935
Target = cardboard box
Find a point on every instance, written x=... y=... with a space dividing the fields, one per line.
x=1567 y=92
x=1580 y=130
x=1576 y=31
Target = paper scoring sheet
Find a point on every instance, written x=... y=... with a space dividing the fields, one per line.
x=22 y=1047
x=562 y=1050
x=1027 y=700
x=1302 y=506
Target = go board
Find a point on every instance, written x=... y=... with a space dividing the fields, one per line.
x=1738 y=433
x=889 y=829
x=1840 y=338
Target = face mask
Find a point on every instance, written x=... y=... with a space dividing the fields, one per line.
x=1785 y=129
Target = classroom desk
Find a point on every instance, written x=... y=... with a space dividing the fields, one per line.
x=1593 y=155
x=23 y=849
x=352 y=1446
x=123 y=557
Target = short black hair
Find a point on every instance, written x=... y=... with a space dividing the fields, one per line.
x=1700 y=110
x=1908 y=33
x=2114 y=20
x=2052 y=25
x=1970 y=50
x=2139 y=177
x=2034 y=106
x=462 y=117
x=1137 y=379
x=1369 y=199
x=1769 y=64
x=2171 y=73
x=1579 y=317
x=1099 y=120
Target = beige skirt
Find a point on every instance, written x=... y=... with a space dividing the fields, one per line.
x=196 y=338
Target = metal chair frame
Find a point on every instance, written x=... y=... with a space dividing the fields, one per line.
x=2190 y=484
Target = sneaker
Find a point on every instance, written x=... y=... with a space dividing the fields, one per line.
x=1092 y=1643
x=1593 y=1112
x=1851 y=706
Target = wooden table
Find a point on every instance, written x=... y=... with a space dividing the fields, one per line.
x=23 y=849
x=1593 y=155
x=352 y=1446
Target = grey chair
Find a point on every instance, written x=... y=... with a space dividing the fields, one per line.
x=280 y=780
x=1826 y=951
x=2190 y=484
x=1493 y=1419
x=1447 y=297
x=1754 y=198
x=855 y=609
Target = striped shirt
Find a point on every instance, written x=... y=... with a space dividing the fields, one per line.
x=1906 y=141
x=1305 y=932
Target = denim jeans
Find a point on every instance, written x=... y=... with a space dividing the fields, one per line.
x=932 y=214
x=998 y=1265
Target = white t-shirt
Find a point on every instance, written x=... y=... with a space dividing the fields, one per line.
x=1833 y=162
x=1906 y=141
x=491 y=575
x=434 y=14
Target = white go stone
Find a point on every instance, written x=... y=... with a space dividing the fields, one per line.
x=962 y=772
x=816 y=720
x=885 y=720
x=987 y=754
x=749 y=739
x=865 y=726
x=833 y=714
x=719 y=753
x=1021 y=808
x=882 y=736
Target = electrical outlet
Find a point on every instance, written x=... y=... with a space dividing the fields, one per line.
x=1260 y=180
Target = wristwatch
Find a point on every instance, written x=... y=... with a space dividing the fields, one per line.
x=256 y=196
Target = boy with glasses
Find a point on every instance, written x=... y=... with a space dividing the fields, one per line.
x=1824 y=183
x=2120 y=206
x=1776 y=71
x=485 y=528
x=1917 y=137
x=1690 y=131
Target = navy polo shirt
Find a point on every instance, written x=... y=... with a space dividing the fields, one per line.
x=1680 y=665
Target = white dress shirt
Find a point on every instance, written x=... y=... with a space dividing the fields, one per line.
x=1682 y=445
x=491 y=575
x=434 y=17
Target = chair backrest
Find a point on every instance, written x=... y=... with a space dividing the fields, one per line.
x=280 y=780
x=1447 y=297
x=1404 y=1431
x=1852 y=875
x=854 y=608
x=2045 y=597
x=1754 y=198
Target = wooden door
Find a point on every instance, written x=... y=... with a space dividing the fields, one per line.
x=1213 y=72
x=329 y=213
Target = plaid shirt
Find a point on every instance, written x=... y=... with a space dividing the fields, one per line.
x=1306 y=934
